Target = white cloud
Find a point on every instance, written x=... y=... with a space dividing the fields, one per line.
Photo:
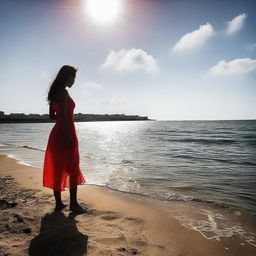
x=251 y=46
x=236 y=24
x=234 y=67
x=131 y=60
x=114 y=101
x=195 y=38
x=93 y=84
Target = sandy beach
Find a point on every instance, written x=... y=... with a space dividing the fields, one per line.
x=116 y=223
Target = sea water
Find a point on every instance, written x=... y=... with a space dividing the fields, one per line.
x=202 y=161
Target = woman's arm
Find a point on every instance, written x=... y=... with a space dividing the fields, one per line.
x=52 y=114
x=63 y=99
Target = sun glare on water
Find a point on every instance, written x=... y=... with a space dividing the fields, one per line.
x=103 y=11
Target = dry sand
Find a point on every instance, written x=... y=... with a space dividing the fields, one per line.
x=117 y=223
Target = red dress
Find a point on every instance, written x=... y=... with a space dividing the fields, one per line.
x=61 y=163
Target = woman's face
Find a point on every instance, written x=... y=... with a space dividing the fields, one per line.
x=70 y=81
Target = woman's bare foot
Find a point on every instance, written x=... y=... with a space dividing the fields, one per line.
x=59 y=207
x=78 y=208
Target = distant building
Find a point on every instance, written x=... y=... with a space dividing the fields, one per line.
x=44 y=118
x=34 y=116
x=17 y=116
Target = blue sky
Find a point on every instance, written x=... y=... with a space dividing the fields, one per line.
x=168 y=60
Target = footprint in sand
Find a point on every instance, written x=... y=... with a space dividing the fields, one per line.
x=139 y=243
x=111 y=240
x=111 y=217
x=134 y=219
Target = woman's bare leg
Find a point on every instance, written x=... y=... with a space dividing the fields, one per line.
x=74 y=205
x=59 y=204
x=73 y=196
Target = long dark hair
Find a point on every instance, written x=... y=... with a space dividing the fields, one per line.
x=63 y=75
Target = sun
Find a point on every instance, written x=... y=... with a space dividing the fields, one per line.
x=103 y=11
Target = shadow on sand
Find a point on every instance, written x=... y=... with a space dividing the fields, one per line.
x=58 y=236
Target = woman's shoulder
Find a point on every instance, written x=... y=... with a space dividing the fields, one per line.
x=61 y=95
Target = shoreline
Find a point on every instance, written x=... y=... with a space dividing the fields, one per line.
x=127 y=223
x=180 y=197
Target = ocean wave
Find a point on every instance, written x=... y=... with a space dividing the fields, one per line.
x=126 y=161
x=24 y=163
x=249 y=136
x=20 y=161
x=134 y=187
x=225 y=161
x=251 y=142
x=212 y=229
x=21 y=146
x=172 y=196
x=28 y=147
x=202 y=141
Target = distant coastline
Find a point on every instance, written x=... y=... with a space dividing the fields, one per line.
x=44 y=118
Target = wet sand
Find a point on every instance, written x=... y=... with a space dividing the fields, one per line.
x=116 y=223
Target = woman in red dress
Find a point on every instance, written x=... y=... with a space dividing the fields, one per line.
x=61 y=162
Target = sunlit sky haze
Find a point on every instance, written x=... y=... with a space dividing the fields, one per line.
x=168 y=60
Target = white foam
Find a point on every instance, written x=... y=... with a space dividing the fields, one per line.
x=19 y=160
x=24 y=163
x=131 y=186
x=217 y=227
x=13 y=156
